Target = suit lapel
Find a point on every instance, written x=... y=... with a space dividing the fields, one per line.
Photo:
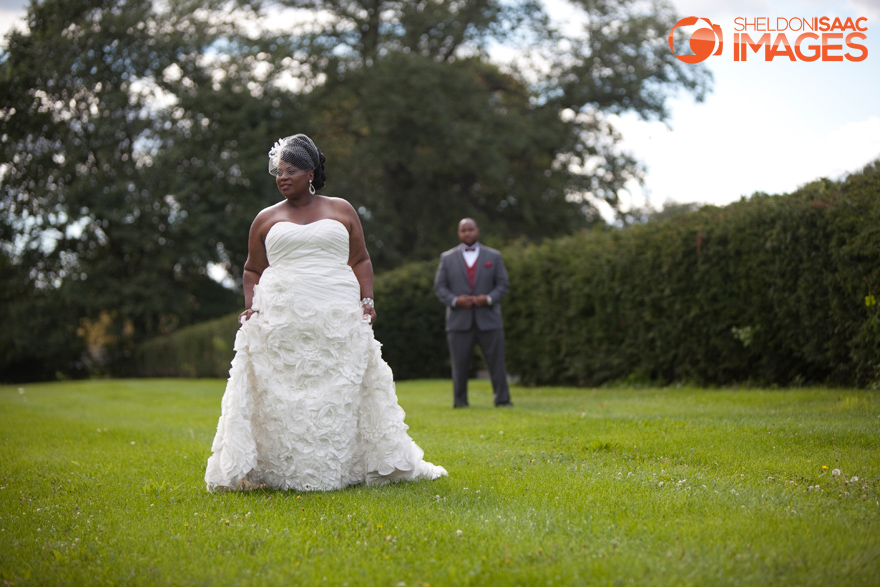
x=462 y=267
x=479 y=267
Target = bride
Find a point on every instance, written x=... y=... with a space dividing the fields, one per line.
x=309 y=404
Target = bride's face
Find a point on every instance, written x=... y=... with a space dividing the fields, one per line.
x=292 y=181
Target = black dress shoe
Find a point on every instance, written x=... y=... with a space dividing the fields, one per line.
x=461 y=406
x=504 y=405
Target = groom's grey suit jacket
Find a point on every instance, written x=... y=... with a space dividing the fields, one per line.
x=491 y=279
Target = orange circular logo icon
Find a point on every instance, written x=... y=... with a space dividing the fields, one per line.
x=704 y=41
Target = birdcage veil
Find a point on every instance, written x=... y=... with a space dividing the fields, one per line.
x=298 y=150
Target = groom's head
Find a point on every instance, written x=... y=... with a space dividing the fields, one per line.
x=468 y=233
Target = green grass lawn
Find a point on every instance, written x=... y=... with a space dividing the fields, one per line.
x=101 y=482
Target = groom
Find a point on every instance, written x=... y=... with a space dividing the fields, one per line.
x=471 y=280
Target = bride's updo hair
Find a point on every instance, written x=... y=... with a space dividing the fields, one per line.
x=301 y=152
x=320 y=176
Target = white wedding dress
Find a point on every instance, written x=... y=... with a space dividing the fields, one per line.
x=310 y=404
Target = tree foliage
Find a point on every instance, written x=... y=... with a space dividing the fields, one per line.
x=771 y=290
x=135 y=136
x=89 y=230
x=431 y=129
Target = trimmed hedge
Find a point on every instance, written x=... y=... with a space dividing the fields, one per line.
x=768 y=290
x=202 y=350
x=410 y=326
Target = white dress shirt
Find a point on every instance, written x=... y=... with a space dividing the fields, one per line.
x=470 y=257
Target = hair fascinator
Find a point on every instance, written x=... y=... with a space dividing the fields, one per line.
x=298 y=150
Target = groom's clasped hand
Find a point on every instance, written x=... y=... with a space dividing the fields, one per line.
x=469 y=301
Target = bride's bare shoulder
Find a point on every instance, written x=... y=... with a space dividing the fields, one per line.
x=339 y=204
x=342 y=211
x=265 y=218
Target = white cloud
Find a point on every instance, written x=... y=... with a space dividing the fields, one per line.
x=717 y=160
x=754 y=8
x=10 y=18
x=869 y=8
x=850 y=147
x=768 y=127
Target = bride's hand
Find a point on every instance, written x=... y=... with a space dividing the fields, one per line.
x=371 y=312
x=245 y=316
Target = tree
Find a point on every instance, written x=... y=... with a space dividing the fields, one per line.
x=135 y=137
x=426 y=128
x=86 y=223
x=454 y=140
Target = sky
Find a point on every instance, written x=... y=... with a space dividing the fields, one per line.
x=765 y=126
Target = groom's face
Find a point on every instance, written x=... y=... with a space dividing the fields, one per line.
x=468 y=233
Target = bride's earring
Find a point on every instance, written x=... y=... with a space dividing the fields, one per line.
x=311 y=188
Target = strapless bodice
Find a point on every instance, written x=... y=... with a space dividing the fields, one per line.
x=308 y=264
x=322 y=241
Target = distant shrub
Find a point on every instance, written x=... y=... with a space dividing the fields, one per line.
x=410 y=328
x=202 y=350
x=772 y=289
x=411 y=323
x=768 y=290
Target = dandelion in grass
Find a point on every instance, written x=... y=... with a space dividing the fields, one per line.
x=835 y=473
x=458 y=533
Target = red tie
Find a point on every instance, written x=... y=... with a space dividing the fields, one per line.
x=472 y=274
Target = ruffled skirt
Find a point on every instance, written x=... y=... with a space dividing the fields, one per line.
x=310 y=404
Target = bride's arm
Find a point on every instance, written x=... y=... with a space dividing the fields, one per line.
x=256 y=263
x=358 y=256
